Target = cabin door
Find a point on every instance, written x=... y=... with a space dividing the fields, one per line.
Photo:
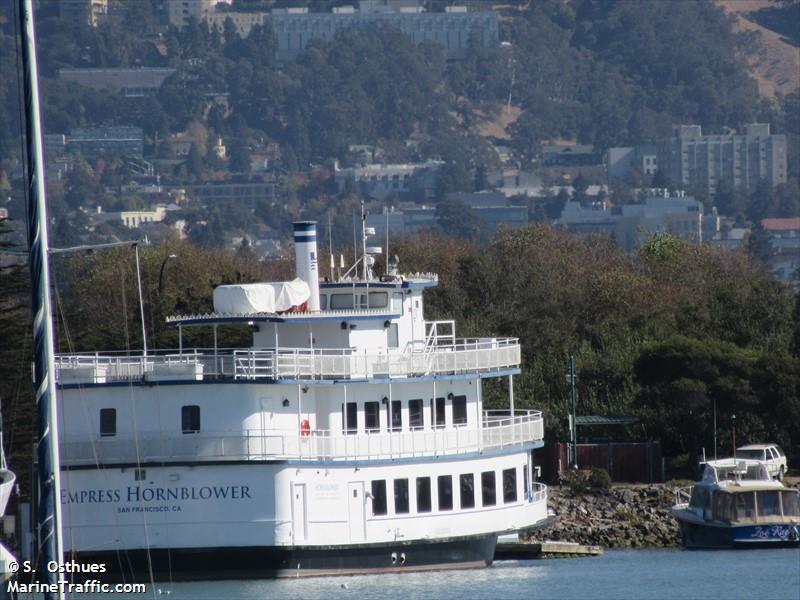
x=299 y=512
x=356 y=506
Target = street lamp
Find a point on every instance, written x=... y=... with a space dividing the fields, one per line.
x=733 y=432
x=161 y=272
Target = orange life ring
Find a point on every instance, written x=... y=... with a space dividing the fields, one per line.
x=305 y=427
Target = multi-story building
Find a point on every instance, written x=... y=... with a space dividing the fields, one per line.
x=242 y=21
x=94 y=142
x=632 y=224
x=689 y=158
x=379 y=180
x=740 y=161
x=183 y=11
x=295 y=28
x=82 y=14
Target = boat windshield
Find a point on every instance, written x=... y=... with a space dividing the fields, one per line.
x=769 y=504
x=745 y=506
x=791 y=503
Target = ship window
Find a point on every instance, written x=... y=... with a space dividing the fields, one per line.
x=769 y=504
x=467 y=481
x=323 y=301
x=350 y=418
x=372 y=420
x=190 y=419
x=745 y=506
x=791 y=503
x=509 y=486
x=415 y=420
x=400 y=496
x=460 y=410
x=378 y=299
x=108 y=422
x=445 y=492
x=341 y=301
x=423 y=494
x=437 y=407
x=397 y=415
x=379 y=497
x=488 y=493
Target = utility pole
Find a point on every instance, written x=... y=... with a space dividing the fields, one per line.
x=573 y=417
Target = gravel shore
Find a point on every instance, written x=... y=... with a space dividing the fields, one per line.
x=624 y=516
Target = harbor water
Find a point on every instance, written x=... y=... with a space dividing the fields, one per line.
x=618 y=574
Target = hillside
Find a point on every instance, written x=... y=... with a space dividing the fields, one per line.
x=777 y=67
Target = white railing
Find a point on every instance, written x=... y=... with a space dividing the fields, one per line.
x=459 y=356
x=317 y=445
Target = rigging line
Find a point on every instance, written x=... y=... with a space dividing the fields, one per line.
x=136 y=442
x=71 y=348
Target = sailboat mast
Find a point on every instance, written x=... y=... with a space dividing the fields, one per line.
x=49 y=505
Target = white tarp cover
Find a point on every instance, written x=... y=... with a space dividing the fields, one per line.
x=251 y=298
x=7 y=480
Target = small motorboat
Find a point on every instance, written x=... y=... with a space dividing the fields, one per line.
x=737 y=504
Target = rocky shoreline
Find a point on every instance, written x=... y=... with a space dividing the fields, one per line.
x=623 y=516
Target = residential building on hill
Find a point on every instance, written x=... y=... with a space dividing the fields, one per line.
x=784 y=240
x=82 y=14
x=132 y=82
x=95 y=142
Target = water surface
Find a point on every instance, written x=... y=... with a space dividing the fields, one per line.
x=618 y=575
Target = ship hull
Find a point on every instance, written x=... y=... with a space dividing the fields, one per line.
x=296 y=561
x=709 y=536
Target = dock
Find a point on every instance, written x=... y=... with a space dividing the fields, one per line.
x=516 y=550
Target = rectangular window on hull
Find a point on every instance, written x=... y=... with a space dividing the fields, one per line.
x=397 y=415
x=372 y=421
x=423 y=494
x=445 y=484
x=341 y=301
x=460 y=410
x=415 y=420
x=509 y=486
x=401 y=496
x=379 y=497
x=467 y=481
x=350 y=418
x=108 y=422
x=190 y=419
x=488 y=492
x=437 y=408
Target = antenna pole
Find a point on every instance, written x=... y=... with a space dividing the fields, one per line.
x=49 y=501
x=330 y=244
x=364 y=266
x=386 y=258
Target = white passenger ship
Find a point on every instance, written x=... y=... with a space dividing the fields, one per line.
x=350 y=437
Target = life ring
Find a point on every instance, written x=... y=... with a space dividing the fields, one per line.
x=305 y=428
